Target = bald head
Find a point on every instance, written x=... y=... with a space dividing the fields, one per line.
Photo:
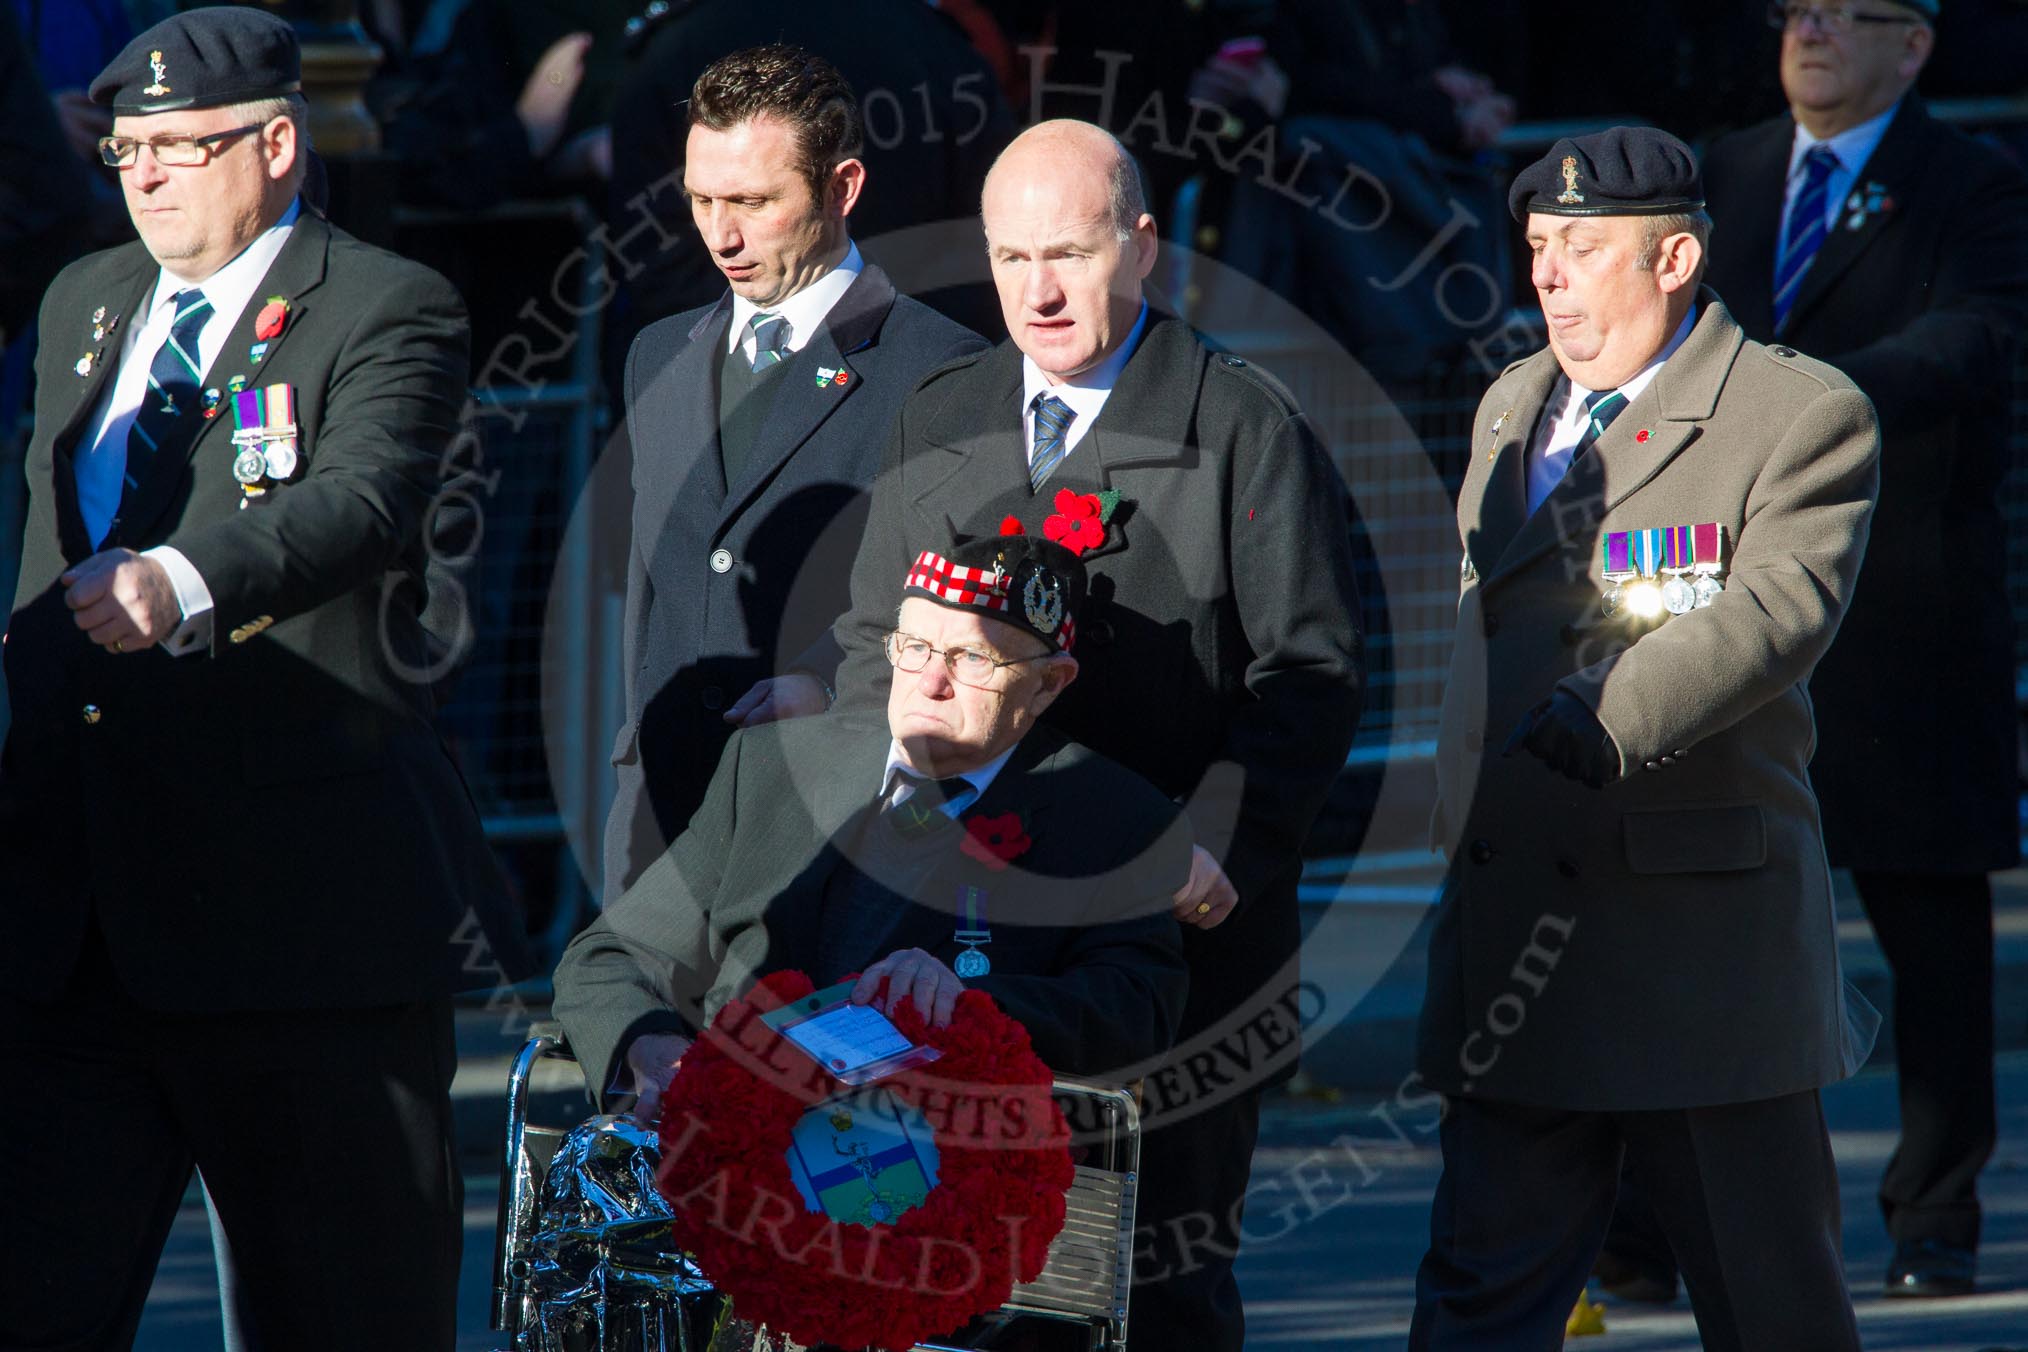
x=1070 y=241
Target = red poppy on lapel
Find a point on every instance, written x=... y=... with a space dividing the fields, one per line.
x=996 y=841
x=1011 y=525
x=1079 y=523
x=268 y=323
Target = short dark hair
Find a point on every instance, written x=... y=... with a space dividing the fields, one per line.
x=801 y=88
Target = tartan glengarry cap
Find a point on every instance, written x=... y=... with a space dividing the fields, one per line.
x=203 y=58
x=1031 y=583
x=1621 y=171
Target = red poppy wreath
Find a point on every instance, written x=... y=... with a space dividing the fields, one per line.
x=730 y=1121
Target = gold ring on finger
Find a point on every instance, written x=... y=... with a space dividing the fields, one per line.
x=1204 y=908
x=119 y=645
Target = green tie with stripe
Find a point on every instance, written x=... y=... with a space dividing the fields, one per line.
x=169 y=413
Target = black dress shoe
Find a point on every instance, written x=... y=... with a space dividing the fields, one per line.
x=1650 y=1283
x=1930 y=1267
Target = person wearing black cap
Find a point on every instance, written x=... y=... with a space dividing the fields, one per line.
x=1864 y=232
x=245 y=875
x=1635 y=951
x=840 y=845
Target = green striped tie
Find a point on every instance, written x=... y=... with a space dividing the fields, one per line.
x=169 y=412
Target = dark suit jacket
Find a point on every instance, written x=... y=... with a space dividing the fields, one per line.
x=1923 y=306
x=1083 y=952
x=276 y=824
x=1220 y=645
x=699 y=635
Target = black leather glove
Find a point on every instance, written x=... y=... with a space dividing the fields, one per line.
x=1564 y=734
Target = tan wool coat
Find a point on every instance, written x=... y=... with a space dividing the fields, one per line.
x=1667 y=941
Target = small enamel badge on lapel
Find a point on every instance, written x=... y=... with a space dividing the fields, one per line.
x=84 y=363
x=102 y=327
x=1642 y=436
x=1498 y=423
x=256 y=352
x=211 y=400
x=235 y=385
x=1873 y=201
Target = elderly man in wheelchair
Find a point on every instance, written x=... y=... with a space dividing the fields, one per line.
x=834 y=847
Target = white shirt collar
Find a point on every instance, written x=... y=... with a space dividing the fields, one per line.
x=232 y=286
x=1086 y=391
x=1853 y=146
x=805 y=310
x=979 y=779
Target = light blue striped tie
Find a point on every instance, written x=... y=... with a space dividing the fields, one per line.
x=1052 y=420
x=1805 y=233
x=770 y=335
x=169 y=411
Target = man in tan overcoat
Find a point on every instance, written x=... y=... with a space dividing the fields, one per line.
x=1635 y=952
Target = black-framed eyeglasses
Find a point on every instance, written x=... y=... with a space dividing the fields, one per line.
x=120 y=152
x=1836 y=20
x=967 y=666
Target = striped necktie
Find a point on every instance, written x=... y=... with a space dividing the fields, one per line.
x=923 y=810
x=1601 y=406
x=1806 y=231
x=770 y=336
x=169 y=412
x=1052 y=421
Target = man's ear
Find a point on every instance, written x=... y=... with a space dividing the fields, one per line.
x=847 y=181
x=1680 y=256
x=284 y=147
x=1057 y=674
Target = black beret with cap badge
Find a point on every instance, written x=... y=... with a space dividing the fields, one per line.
x=202 y=58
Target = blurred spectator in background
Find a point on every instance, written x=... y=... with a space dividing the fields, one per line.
x=1131 y=66
x=1380 y=219
x=1863 y=232
x=512 y=101
x=931 y=103
x=44 y=195
x=1690 y=68
x=68 y=41
x=43 y=202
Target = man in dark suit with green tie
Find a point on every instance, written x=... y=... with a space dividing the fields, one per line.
x=755 y=425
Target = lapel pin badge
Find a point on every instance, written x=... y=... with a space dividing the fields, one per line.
x=1642 y=436
x=84 y=363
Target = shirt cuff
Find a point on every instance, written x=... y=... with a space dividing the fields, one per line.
x=193 y=598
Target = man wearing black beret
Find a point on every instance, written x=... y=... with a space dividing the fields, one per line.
x=242 y=874
x=1635 y=953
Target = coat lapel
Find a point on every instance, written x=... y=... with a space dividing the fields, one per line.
x=297 y=271
x=125 y=298
x=1146 y=421
x=676 y=445
x=1684 y=394
x=796 y=412
x=935 y=917
x=1895 y=166
x=983 y=439
x=1495 y=514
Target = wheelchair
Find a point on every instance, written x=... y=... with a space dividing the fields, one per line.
x=668 y=1305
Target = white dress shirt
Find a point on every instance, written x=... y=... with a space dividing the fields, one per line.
x=102 y=459
x=1853 y=147
x=1550 y=459
x=1086 y=392
x=897 y=786
x=805 y=310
